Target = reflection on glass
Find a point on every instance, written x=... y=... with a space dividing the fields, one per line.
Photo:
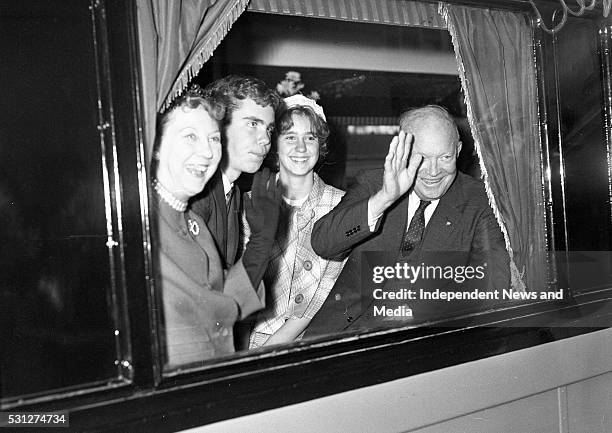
x=56 y=321
x=585 y=168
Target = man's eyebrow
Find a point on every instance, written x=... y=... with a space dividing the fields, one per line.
x=254 y=118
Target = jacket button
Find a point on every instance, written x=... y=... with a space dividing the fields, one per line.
x=349 y=319
x=307 y=265
x=299 y=298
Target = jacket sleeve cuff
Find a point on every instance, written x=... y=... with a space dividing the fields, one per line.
x=238 y=286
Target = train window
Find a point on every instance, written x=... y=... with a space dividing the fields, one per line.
x=85 y=319
x=61 y=290
x=362 y=97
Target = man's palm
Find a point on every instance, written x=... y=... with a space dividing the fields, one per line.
x=399 y=174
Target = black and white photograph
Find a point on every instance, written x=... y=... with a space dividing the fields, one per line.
x=382 y=216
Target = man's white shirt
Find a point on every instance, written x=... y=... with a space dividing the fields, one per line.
x=413 y=204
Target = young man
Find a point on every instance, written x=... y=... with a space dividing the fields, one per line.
x=246 y=134
x=247 y=128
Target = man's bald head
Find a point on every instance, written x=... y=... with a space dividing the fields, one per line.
x=417 y=118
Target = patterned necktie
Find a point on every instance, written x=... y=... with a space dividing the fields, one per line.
x=228 y=198
x=413 y=235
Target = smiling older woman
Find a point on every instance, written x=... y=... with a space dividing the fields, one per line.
x=201 y=302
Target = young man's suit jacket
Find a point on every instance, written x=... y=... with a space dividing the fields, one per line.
x=222 y=221
x=462 y=222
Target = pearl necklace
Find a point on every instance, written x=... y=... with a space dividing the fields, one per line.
x=168 y=197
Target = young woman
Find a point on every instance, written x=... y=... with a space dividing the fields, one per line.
x=200 y=302
x=297 y=280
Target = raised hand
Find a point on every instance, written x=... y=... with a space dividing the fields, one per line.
x=400 y=171
x=263 y=208
x=400 y=168
x=262 y=212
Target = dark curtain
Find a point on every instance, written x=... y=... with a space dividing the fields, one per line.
x=176 y=38
x=495 y=58
x=494 y=51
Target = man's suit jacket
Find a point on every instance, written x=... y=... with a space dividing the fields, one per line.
x=462 y=222
x=222 y=221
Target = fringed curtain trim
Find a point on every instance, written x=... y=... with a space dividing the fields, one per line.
x=517 y=282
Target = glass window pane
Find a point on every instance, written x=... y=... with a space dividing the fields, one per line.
x=587 y=194
x=364 y=76
x=55 y=275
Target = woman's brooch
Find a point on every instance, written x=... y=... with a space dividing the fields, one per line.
x=194 y=227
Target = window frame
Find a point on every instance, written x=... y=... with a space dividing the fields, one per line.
x=304 y=370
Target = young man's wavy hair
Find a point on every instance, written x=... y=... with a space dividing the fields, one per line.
x=230 y=91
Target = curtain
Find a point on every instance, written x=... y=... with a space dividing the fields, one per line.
x=495 y=57
x=176 y=38
x=495 y=54
x=393 y=12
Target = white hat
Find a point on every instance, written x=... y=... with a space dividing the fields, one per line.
x=298 y=99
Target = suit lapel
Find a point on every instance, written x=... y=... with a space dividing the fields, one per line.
x=202 y=236
x=219 y=198
x=219 y=227
x=233 y=226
